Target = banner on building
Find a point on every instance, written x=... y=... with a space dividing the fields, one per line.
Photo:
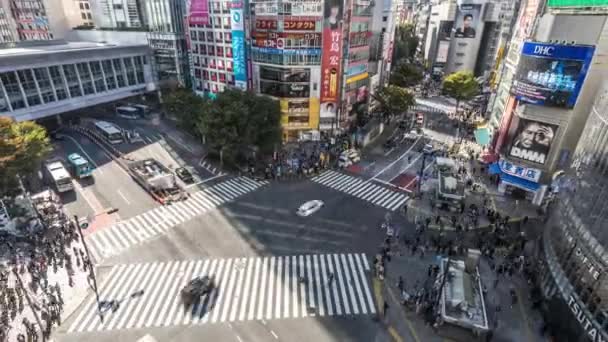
x=285 y=39
x=442 y=51
x=531 y=140
x=332 y=56
x=577 y=3
x=299 y=25
x=238 y=44
x=467 y=20
x=550 y=74
x=265 y=24
x=290 y=52
x=199 y=12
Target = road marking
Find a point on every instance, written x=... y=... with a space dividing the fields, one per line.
x=394 y=334
x=123 y=197
x=86 y=154
x=398 y=159
x=274 y=334
x=407 y=321
x=389 y=152
x=238 y=338
x=413 y=180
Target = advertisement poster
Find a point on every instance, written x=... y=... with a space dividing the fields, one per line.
x=238 y=45
x=532 y=140
x=199 y=12
x=577 y=3
x=525 y=22
x=332 y=56
x=551 y=75
x=299 y=25
x=442 y=51
x=467 y=20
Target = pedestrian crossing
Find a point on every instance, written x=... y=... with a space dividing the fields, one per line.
x=363 y=189
x=253 y=288
x=124 y=234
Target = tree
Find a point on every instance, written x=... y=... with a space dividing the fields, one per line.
x=461 y=86
x=406 y=74
x=394 y=100
x=23 y=145
x=406 y=43
x=237 y=121
x=186 y=107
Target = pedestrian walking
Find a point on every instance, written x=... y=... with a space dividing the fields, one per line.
x=330 y=278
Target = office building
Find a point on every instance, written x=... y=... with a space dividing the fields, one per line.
x=41 y=79
x=118 y=13
x=384 y=23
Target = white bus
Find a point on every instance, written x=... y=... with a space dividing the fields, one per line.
x=60 y=176
x=112 y=134
x=128 y=112
x=143 y=109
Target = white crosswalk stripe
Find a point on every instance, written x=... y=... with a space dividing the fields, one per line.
x=122 y=235
x=275 y=293
x=365 y=190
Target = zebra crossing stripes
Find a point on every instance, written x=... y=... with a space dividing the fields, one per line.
x=365 y=190
x=253 y=288
x=135 y=230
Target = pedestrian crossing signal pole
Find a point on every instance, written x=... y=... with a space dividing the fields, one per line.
x=91 y=269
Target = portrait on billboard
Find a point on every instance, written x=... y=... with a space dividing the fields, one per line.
x=467 y=19
x=551 y=75
x=333 y=14
x=328 y=109
x=532 y=140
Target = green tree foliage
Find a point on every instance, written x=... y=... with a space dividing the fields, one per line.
x=394 y=100
x=461 y=86
x=406 y=74
x=234 y=122
x=23 y=145
x=406 y=43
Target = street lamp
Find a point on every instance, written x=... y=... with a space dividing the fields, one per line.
x=91 y=270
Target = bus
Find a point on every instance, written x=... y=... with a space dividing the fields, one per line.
x=127 y=112
x=109 y=131
x=143 y=109
x=59 y=175
x=80 y=167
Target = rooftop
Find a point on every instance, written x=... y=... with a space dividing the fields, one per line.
x=57 y=46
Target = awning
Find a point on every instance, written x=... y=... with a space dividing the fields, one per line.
x=494 y=169
x=482 y=136
x=519 y=182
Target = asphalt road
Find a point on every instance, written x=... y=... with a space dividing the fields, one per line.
x=260 y=225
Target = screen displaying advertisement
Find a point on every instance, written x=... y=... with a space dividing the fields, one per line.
x=199 y=12
x=551 y=75
x=577 y=3
x=442 y=52
x=467 y=19
x=332 y=56
x=238 y=45
x=525 y=22
x=531 y=141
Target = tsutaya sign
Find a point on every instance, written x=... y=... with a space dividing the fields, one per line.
x=595 y=334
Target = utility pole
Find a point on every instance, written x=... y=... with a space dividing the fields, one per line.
x=91 y=269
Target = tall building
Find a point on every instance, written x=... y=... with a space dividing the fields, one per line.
x=384 y=21
x=118 y=13
x=211 y=46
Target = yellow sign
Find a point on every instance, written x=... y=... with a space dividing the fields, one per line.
x=313 y=113
x=357 y=78
x=284 y=105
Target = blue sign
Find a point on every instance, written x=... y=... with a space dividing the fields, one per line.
x=551 y=74
x=238 y=46
x=289 y=52
x=356 y=69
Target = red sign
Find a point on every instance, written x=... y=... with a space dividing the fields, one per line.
x=331 y=63
x=260 y=42
x=277 y=39
x=299 y=25
x=262 y=24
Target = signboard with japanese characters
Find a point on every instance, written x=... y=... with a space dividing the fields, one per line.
x=264 y=24
x=520 y=171
x=331 y=59
x=299 y=25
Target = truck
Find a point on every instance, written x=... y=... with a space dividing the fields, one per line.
x=157 y=179
x=80 y=167
x=59 y=175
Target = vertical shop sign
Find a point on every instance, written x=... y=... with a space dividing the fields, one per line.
x=332 y=56
x=238 y=44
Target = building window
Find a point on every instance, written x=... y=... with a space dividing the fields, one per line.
x=107 y=69
x=60 y=86
x=98 y=76
x=384 y=19
x=83 y=16
x=85 y=78
x=44 y=83
x=130 y=71
x=228 y=52
x=119 y=75
x=72 y=79
x=11 y=85
x=228 y=37
x=117 y=6
x=220 y=51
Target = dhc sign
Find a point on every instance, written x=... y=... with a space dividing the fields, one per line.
x=544 y=50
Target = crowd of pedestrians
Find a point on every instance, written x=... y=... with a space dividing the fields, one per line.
x=34 y=270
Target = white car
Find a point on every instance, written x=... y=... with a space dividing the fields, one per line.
x=411 y=135
x=309 y=208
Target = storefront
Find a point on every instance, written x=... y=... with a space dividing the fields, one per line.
x=518 y=181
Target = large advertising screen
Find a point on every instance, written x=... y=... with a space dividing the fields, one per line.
x=577 y=3
x=332 y=56
x=238 y=45
x=199 y=12
x=442 y=51
x=467 y=19
x=550 y=74
x=531 y=140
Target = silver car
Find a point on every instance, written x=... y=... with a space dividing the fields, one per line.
x=309 y=208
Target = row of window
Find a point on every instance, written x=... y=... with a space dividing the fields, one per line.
x=268 y=58
x=212 y=50
x=207 y=86
x=207 y=75
x=31 y=87
x=210 y=36
x=213 y=63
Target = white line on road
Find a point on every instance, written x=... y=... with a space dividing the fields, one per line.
x=123 y=197
x=394 y=162
x=238 y=338
x=389 y=152
x=181 y=143
x=83 y=151
x=274 y=334
x=413 y=180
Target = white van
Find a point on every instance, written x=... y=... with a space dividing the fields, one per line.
x=344 y=161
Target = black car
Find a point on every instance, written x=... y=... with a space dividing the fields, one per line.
x=390 y=143
x=197 y=288
x=185 y=175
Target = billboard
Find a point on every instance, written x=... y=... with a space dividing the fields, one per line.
x=299 y=25
x=332 y=56
x=442 y=51
x=467 y=19
x=550 y=74
x=577 y=3
x=531 y=140
x=238 y=44
x=199 y=12
x=525 y=22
